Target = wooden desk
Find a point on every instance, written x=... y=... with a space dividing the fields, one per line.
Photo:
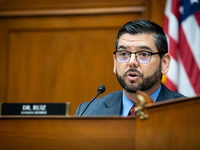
x=57 y=133
x=172 y=125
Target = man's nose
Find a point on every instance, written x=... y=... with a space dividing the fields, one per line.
x=133 y=61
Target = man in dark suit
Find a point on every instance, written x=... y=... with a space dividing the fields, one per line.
x=140 y=59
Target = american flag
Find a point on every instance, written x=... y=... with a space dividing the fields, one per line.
x=182 y=26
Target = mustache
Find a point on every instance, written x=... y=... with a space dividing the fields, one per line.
x=132 y=70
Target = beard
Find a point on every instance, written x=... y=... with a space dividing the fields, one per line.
x=146 y=84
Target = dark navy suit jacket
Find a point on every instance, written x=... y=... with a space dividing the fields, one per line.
x=111 y=104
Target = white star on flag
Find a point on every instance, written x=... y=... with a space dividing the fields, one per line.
x=181 y=10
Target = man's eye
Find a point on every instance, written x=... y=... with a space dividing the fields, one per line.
x=144 y=54
x=123 y=54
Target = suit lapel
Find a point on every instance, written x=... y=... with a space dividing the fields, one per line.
x=113 y=105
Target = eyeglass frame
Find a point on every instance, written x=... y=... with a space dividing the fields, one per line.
x=135 y=55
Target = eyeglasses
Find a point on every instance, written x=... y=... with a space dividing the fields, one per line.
x=142 y=57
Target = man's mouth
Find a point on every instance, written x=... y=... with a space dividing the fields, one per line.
x=132 y=74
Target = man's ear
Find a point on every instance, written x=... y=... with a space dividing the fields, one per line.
x=114 y=59
x=165 y=63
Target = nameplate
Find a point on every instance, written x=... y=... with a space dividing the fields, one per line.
x=35 y=109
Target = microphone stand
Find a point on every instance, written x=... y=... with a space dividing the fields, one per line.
x=101 y=89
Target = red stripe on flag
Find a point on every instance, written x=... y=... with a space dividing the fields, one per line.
x=175 y=8
x=189 y=62
x=173 y=48
x=197 y=17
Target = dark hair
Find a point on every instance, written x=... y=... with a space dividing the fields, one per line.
x=145 y=26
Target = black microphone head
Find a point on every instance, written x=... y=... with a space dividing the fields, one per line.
x=101 y=89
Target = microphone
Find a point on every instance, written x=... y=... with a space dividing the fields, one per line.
x=101 y=89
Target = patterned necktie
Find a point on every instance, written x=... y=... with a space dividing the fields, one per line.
x=131 y=112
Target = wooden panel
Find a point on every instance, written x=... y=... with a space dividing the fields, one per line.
x=65 y=4
x=59 y=58
x=88 y=11
x=59 y=64
x=157 y=11
x=3 y=60
x=67 y=133
x=175 y=124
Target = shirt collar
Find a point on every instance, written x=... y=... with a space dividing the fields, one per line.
x=154 y=96
x=127 y=104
